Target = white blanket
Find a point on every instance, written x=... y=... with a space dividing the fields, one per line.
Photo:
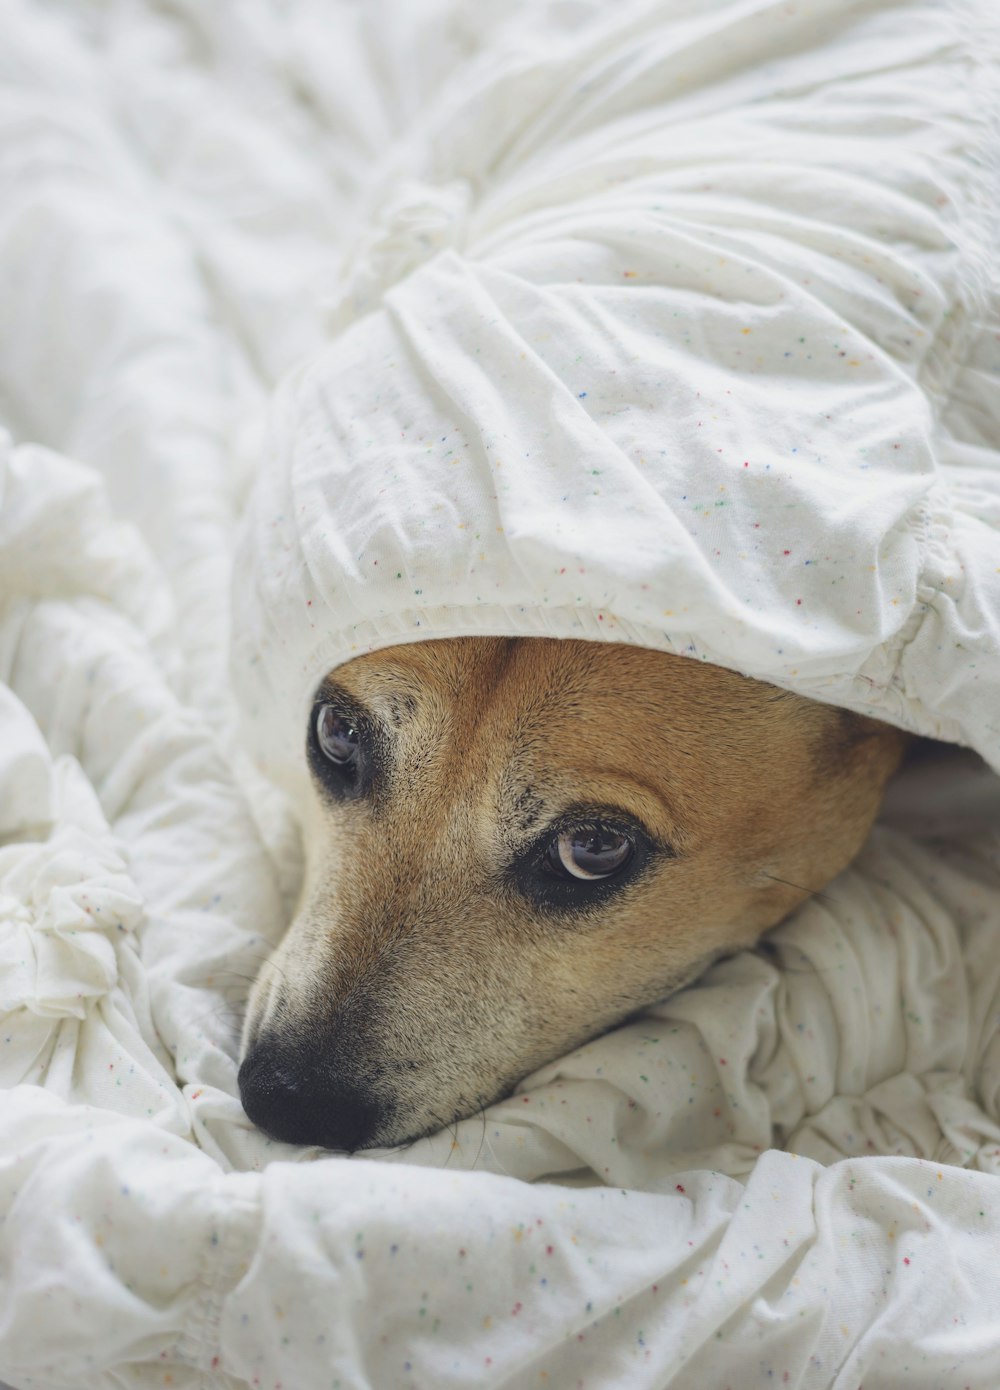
x=783 y=1174
x=677 y=327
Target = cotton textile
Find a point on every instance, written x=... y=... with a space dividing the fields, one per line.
x=251 y=252
x=699 y=351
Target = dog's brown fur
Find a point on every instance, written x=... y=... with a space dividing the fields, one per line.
x=423 y=970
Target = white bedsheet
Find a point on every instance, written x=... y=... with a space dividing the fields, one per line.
x=784 y=1175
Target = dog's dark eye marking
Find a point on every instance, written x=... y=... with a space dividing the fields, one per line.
x=527 y=809
x=593 y=853
x=401 y=708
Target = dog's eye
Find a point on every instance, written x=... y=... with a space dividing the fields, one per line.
x=337 y=737
x=595 y=852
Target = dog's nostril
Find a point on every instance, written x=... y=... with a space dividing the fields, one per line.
x=289 y=1099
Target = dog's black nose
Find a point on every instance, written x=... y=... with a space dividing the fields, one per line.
x=291 y=1098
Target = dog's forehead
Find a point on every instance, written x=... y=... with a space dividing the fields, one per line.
x=522 y=676
x=522 y=729
x=404 y=681
x=536 y=694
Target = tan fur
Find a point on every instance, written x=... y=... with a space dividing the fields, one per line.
x=418 y=970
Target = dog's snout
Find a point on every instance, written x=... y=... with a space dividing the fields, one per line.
x=294 y=1097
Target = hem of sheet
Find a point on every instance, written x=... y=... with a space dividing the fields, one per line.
x=875 y=683
x=237 y=1216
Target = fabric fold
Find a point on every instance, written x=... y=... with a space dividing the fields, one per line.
x=654 y=323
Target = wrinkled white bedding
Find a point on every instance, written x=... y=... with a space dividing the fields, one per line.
x=785 y=1174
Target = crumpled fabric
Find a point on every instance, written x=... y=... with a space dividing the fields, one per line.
x=783 y=1174
x=63 y=903
x=674 y=328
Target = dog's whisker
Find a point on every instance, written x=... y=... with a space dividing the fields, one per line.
x=482 y=1137
x=813 y=892
x=443 y=1124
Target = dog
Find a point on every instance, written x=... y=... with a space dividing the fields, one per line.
x=514 y=844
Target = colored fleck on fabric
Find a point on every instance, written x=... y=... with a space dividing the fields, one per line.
x=661 y=322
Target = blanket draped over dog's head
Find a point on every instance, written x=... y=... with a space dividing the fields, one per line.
x=679 y=330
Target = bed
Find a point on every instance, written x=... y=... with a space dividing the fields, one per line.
x=782 y=1175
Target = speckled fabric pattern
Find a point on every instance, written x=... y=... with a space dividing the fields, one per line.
x=661 y=322
x=688 y=364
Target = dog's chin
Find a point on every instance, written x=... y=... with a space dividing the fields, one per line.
x=409 y=1130
x=348 y=1123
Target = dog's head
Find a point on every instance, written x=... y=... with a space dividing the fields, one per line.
x=512 y=845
